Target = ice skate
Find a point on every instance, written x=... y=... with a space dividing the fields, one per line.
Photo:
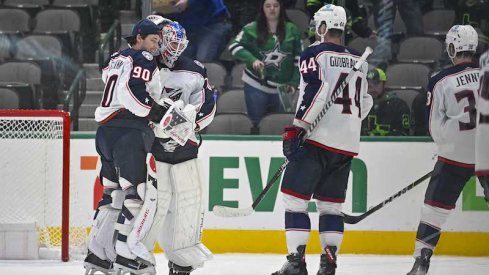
x=422 y=263
x=95 y=265
x=327 y=265
x=296 y=263
x=178 y=270
x=138 y=266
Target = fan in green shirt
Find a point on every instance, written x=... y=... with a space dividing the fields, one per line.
x=270 y=48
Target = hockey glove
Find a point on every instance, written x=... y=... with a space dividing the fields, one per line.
x=292 y=142
x=484 y=181
x=158 y=110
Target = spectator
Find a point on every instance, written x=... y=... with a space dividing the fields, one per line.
x=389 y=115
x=474 y=13
x=242 y=13
x=357 y=17
x=384 y=15
x=270 y=47
x=418 y=115
x=207 y=25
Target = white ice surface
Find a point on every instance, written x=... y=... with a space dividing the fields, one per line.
x=255 y=264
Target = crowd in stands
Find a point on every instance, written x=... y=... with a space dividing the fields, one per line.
x=250 y=49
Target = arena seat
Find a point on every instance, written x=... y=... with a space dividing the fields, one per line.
x=273 y=124
x=230 y=124
x=232 y=101
x=8 y=99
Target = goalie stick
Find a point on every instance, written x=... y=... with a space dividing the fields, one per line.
x=225 y=211
x=355 y=219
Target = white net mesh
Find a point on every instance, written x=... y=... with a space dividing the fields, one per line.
x=31 y=169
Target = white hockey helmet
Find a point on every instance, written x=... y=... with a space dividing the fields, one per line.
x=333 y=16
x=461 y=38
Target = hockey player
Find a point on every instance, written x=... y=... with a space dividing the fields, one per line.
x=482 y=132
x=320 y=166
x=179 y=218
x=123 y=141
x=451 y=101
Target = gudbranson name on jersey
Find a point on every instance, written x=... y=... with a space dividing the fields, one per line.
x=342 y=62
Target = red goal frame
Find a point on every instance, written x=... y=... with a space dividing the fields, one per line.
x=65 y=211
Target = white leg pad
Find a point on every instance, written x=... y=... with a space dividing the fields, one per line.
x=143 y=212
x=144 y=220
x=194 y=256
x=101 y=239
x=164 y=199
x=183 y=224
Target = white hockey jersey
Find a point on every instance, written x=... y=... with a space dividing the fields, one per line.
x=451 y=101
x=132 y=82
x=327 y=65
x=482 y=135
x=186 y=81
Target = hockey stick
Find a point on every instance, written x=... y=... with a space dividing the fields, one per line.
x=355 y=219
x=225 y=211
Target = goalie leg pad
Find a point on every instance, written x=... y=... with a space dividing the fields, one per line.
x=101 y=240
x=183 y=224
x=193 y=256
x=137 y=217
x=164 y=199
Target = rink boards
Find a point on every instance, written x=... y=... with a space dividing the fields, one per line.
x=235 y=169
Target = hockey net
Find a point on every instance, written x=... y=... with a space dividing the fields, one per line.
x=34 y=171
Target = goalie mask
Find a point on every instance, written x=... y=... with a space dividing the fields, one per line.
x=173 y=43
x=333 y=16
x=461 y=38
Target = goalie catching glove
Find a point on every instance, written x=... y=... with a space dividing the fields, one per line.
x=174 y=120
x=292 y=142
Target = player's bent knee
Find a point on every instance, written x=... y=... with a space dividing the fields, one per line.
x=193 y=256
x=434 y=215
x=329 y=208
x=294 y=204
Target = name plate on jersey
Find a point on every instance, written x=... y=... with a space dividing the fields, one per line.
x=177 y=125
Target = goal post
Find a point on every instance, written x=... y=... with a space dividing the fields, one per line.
x=35 y=171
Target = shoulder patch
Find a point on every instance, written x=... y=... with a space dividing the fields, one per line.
x=147 y=55
x=199 y=64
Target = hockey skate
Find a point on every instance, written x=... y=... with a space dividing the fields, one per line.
x=296 y=263
x=179 y=270
x=93 y=264
x=138 y=266
x=327 y=265
x=422 y=263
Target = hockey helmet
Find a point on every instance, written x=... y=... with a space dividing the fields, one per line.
x=333 y=16
x=173 y=43
x=461 y=38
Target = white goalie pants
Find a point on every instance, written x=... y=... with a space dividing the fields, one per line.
x=180 y=214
